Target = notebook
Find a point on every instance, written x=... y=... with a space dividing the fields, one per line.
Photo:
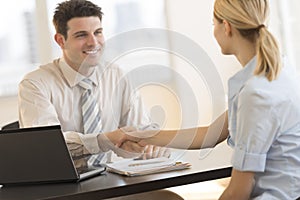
x=136 y=167
x=38 y=155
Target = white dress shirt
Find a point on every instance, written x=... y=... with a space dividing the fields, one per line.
x=51 y=95
x=264 y=126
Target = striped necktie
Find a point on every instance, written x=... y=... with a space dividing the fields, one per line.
x=90 y=109
x=90 y=116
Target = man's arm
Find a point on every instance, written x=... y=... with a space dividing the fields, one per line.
x=35 y=108
x=103 y=142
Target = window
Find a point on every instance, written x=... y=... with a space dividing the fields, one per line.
x=17 y=43
x=26 y=40
x=285 y=19
x=122 y=16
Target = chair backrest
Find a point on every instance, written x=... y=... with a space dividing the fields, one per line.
x=12 y=125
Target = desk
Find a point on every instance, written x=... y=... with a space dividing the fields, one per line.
x=206 y=165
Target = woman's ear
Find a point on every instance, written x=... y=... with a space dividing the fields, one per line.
x=228 y=28
x=60 y=40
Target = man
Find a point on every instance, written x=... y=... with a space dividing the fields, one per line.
x=60 y=92
x=53 y=94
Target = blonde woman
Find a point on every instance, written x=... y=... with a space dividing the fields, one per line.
x=263 y=110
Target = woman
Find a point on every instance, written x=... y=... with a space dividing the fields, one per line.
x=263 y=110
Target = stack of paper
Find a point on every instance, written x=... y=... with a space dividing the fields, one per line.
x=131 y=167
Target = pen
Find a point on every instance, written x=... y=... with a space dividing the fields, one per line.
x=144 y=163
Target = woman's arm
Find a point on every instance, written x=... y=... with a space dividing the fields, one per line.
x=240 y=186
x=192 y=138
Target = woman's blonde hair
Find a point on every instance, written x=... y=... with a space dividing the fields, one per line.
x=249 y=18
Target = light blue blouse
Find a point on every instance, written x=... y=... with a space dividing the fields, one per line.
x=264 y=126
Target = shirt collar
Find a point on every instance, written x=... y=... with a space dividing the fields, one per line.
x=72 y=76
x=237 y=81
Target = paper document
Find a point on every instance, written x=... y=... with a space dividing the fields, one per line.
x=131 y=167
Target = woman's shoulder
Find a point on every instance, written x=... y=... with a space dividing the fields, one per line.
x=259 y=90
x=256 y=85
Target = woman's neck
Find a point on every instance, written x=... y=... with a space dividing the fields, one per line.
x=245 y=52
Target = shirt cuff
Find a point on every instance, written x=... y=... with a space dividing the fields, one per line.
x=104 y=143
x=90 y=142
x=244 y=161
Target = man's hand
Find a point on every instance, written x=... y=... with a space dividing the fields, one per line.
x=133 y=134
x=129 y=150
x=132 y=147
x=152 y=151
x=126 y=149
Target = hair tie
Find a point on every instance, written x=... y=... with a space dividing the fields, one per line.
x=260 y=26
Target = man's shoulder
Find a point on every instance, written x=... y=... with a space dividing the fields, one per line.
x=111 y=69
x=111 y=66
x=47 y=71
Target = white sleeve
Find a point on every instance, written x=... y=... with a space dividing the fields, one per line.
x=88 y=143
x=35 y=108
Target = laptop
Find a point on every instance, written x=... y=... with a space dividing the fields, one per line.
x=38 y=155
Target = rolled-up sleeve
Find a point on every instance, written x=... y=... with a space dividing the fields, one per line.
x=244 y=161
x=256 y=128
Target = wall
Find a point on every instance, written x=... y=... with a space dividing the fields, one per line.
x=194 y=19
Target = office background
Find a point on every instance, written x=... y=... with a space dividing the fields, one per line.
x=26 y=41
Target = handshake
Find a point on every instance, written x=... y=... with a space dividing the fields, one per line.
x=127 y=142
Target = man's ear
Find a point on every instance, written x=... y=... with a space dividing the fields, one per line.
x=60 y=40
x=228 y=28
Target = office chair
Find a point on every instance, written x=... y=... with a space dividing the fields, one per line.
x=12 y=125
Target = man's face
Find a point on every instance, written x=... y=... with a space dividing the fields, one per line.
x=83 y=46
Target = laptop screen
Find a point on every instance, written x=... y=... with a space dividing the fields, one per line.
x=35 y=155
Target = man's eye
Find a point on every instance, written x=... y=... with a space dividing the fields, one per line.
x=80 y=35
x=98 y=33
